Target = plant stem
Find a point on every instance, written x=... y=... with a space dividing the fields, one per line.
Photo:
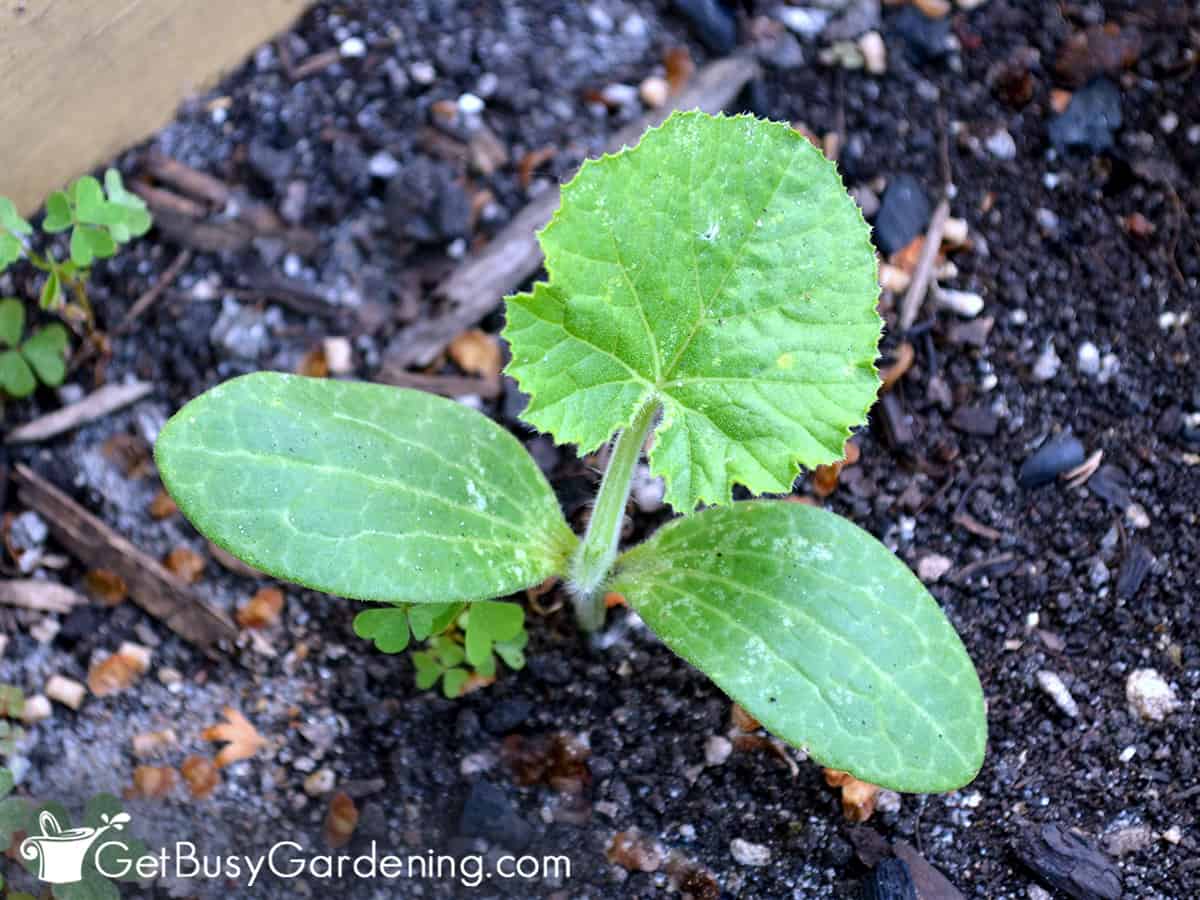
x=598 y=550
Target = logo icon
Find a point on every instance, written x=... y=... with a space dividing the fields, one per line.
x=60 y=853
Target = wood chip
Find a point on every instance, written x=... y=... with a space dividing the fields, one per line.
x=106 y=586
x=444 y=385
x=156 y=291
x=43 y=596
x=151 y=743
x=263 y=609
x=243 y=739
x=95 y=405
x=340 y=821
x=858 y=797
x=202 y=776
x=152 y=782
x=117 y=672
x=156 y=590
x=477 y=353
x=163 y=506
x=186 y=563
x=910 y=307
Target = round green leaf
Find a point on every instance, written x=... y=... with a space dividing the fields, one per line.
x=89 y=200
x=82 y=253
x=720 y=270
x=363 y=490
x=10 y=250
x=387 y=627
x=12 y=321
x=15 y=375
x=58 y=213
x=821 y=634
x=11 y=220
x=46 y=351
x=453 y=683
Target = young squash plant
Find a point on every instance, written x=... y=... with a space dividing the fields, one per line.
x=711 y=293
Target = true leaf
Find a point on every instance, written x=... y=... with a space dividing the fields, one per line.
x=46 y=352
x=387 y=627
x=102 y=242
x=432 y=618
x=513 y=652
x=89 y=201
x=12 y=321
x=488 y=623
x=10 y=250
x=58 y=213
x=718 y=269
x=363 y=490
x=453 y=682
x=12 y=220
x=15 y=375
x=429 y=670
x=448 y=652
x=82 y=253
x=821 y=634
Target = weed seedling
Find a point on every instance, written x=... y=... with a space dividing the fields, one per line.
x=711 y=293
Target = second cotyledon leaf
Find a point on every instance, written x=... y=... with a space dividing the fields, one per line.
x=361 y=490
x=720 y=270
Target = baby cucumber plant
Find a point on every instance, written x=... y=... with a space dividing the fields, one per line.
x=711 y=297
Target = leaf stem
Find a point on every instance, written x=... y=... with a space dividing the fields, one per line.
x=596 y=553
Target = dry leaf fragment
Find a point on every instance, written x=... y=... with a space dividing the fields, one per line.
x=106 y=586
x=163 y=506
x=243 y=738
x=313 y=364
x=152 y=782
x=858 y=797
x=530 y=163
x=113 y=675
x=477 y=353
x=340 y=821
x=186 y=563
x=201 y=775
x=679 y=66
x=742 y=720
x=825 y=478
x=889 y=375
x=263 y=610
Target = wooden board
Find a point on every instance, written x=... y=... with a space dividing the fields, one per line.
x=84 y=79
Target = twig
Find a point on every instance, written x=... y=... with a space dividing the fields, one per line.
x=156 y=590
x=514 y=254
x=445 y=385
x=43 y=596
x=910 y=306
x=150 y=297
x=96 y=405
x=191 y=181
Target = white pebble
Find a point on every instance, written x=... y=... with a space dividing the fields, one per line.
x=66 y=691
x=1047 y=364
x=36 y=709
x=353 y=48
x=422 y=73
x=965 y=303
x=932 y=567
x=1149 y=695
x=805 y=21
x=749 y=854
x=654 y=91
x=717 y=750
x=470 y=105
x=339 y=355
x=1087 y=359
x=874 y=52
x=319 y=782
x=1001 y=145
x=1046 y=219
x=1054 y=687
x=383 y=165
x=1168 y=122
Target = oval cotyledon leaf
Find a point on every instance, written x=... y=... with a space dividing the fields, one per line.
x=821 y=634
x=720 y=270
x=362 y=490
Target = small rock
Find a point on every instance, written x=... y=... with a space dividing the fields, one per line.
x=422 y=73
x=353 y=48
x=425 y=203
x=1124 y=841
x=1090 y=119
x=37 y=708
x=383 y=165
x=488 y=814
x=904 y=212
x=1047 y=364
x=319 y=782
x=967 y=304
x=1087 y=359
x=506 y=715
x=1056 y=456
x=1134 y=569
x=977 y=420
x=28 y=531
x=749 y=854
x=339 y=355
x=857 y=18
x=1001 y=145
x=240 y=331
x=66 y=691
x=932 y=567
x=808 y=22
x=1150 y=696
x=1053 y=685
x=269 y=162
x=713 y=22
x=470 y=104
x=647 y=490
x=1098 y=574
x=874 y=52
x=717 y=750
x=867 y=200
x=635 y=852
x=1046 y=220
x=926 y=39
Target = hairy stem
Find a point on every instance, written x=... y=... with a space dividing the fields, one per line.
x=598 y=550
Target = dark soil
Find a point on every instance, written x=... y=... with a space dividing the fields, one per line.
x=1041 y=579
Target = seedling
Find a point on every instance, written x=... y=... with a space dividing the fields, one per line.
x=99 y=217
x=712 y=291
x=40 y=357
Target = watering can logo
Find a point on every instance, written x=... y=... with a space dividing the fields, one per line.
x=61 y=853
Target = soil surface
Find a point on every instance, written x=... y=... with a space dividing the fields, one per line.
x=1088 y=265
